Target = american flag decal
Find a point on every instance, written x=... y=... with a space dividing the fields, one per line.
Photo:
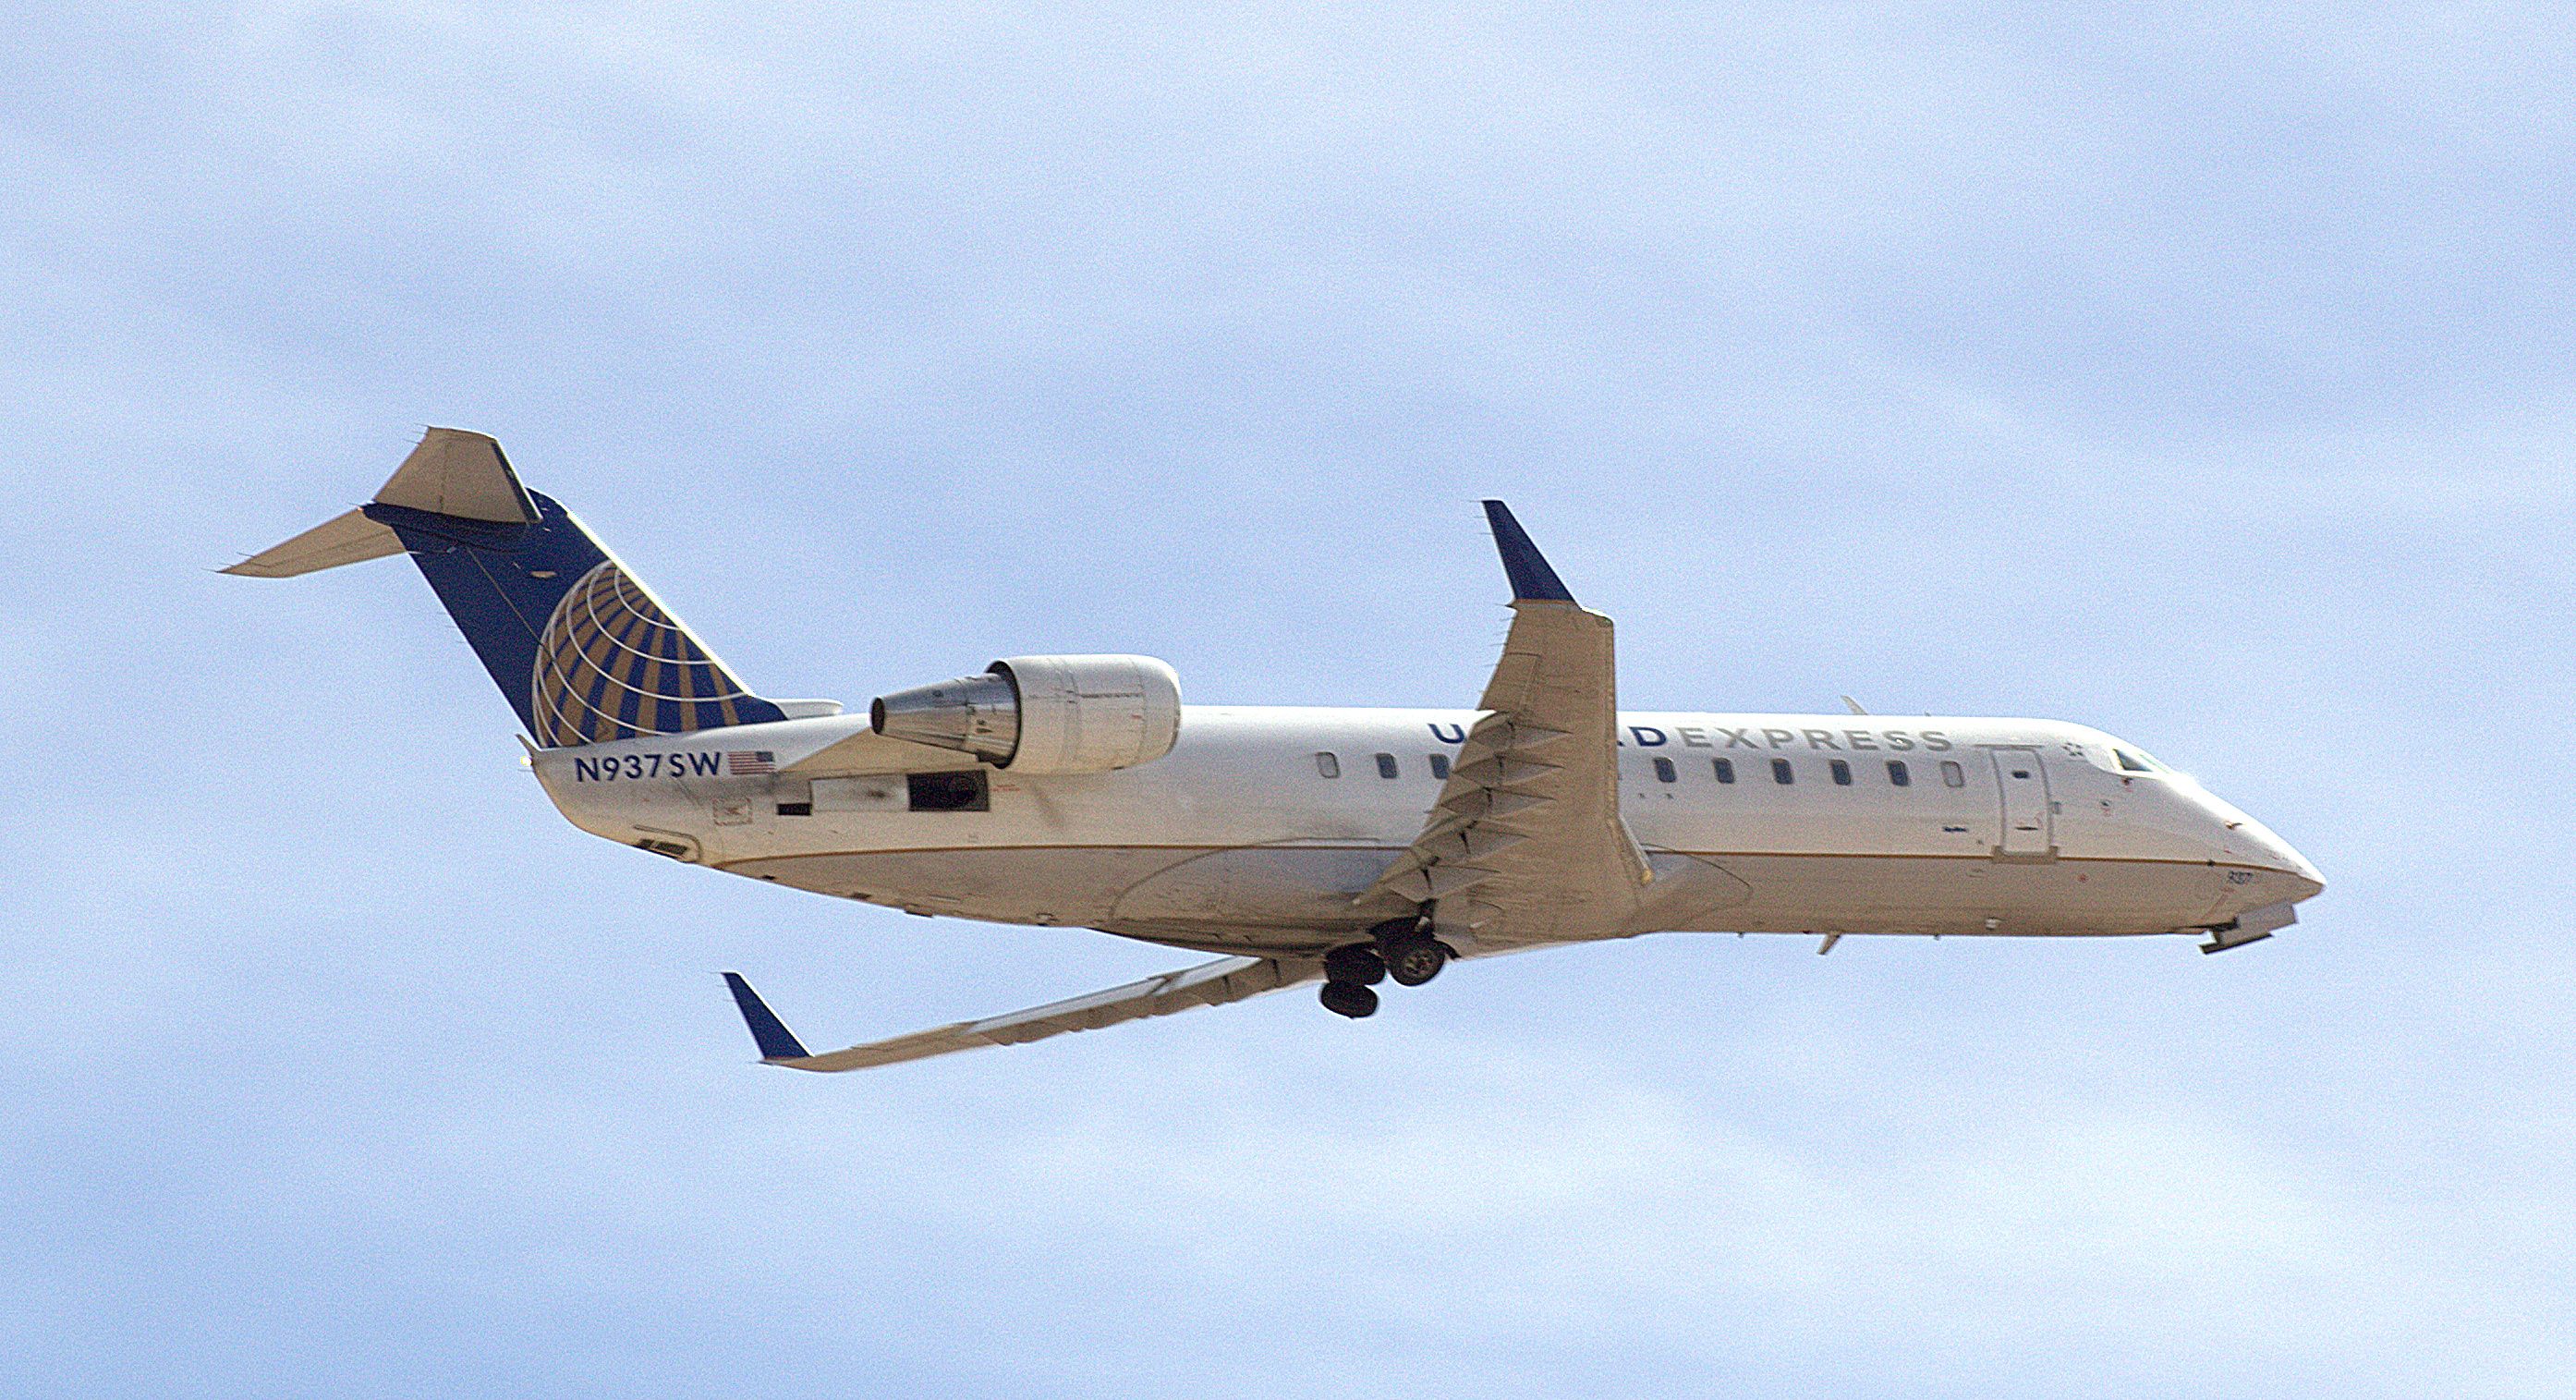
x=750 y=763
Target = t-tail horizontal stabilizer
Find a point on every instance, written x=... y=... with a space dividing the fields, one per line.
x=1208 y=984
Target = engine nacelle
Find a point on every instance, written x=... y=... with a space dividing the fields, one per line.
x=1044 y=714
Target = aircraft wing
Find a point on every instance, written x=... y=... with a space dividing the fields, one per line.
x=1526 y=844
x=1208 y=984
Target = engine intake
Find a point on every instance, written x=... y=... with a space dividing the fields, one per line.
x=1044 y=714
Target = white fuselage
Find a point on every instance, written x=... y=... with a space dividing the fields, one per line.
x=1246 y=838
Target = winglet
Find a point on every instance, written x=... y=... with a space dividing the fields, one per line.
x=776 y=1042
x=1532 y=579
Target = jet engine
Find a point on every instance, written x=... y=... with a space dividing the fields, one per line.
x=1044 y=714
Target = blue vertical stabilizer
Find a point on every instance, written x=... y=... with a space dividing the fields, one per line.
x=584 y=651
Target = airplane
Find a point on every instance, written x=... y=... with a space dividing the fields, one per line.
x=1342 y=847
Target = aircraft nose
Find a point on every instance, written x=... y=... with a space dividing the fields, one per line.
x=2284 y=860
x=2282 y=874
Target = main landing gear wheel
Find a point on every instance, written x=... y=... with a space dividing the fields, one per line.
x=1349 y=999
x=1357 y=964
x=1415 y=961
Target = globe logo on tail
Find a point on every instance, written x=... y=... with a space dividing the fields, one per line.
x=613 y=664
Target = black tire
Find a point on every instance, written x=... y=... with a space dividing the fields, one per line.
x=1357 y=964
x=1415 y=961
x=1349 y=999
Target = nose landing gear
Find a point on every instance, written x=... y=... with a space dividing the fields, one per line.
x=1403 y=950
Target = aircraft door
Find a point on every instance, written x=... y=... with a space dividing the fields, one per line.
x=2029 y=828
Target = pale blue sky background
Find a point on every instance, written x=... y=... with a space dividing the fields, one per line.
x=2204 y=377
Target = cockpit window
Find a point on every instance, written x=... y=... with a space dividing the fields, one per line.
x=2134 y=762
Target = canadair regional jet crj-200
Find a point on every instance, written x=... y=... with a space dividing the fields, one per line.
x=1343 y=846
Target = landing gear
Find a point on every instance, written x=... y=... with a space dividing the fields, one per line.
x=1349 y=999
x=1358 y=964
x=1402 y=949
x=1412 y=956
x=1349 y=972
x=1414 y=961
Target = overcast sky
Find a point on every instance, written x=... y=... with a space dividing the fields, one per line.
x=2203 y=377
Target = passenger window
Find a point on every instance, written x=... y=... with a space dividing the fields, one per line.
x=1780 y=772
x=1664 y=770
x=1725 y=770
x=1842 y=773
x=1328 y=765
x=948 y=792
x=1386 y=765
x=1897 y=775
x=1440 y=765
x=1952 y=775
